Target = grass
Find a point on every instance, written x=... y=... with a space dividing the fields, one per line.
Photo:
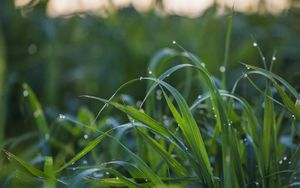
x=196 y=135
x=230 y=144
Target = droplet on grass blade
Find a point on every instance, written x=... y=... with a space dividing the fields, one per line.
x=280 y=162
x=25 y=93
x=150 y=72
x=61 y=116
x=141 y=78
x=85 y=136
x=254 y=44
x=222 y=69
x=174 y=42
x=285 y=158
x=274 y=58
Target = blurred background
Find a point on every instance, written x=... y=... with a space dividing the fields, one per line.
x=63 y=49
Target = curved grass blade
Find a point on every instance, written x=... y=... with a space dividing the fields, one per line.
x=178 y=169
x=37 y=110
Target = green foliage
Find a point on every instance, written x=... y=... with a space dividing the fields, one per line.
x=210 y=150
x=190 y=130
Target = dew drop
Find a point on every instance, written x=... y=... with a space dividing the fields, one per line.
x=256 y=183
x=222 y=69
x=174 y=42
x=36 y=113
x=274 y=58
x=61 y=116
x=290 y=162
x=32 y=49
x=245 y=75
x=199 y=96
x=47 y=136
x=85 y=136
x=25 y=93
x=285 y=158
x=117 y=178
x=293 y=116
x=150 y=72
x=73 y=168
x=84 y=162
x=280 y=162
x=107 y=173
x=203 y=64
x=141 y=78
x=254 y=44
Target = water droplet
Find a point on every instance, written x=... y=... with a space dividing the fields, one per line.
x=107 y=173
x=174 y=42
x=117 y=178
x=85 y=136
x=158 y=94
x=47 y=136
x=84 y=162
x=215 y=116
x=222 y=69
x=146 y=180
x=247 y=67
x=290 y=162
x=32 y=49
x=254 y=44
x=274 y=58
x=73 y=168
x=150 y=72
x=72 y=163
x=280 y=162
x=263 y=58
x=199 y=96
x=141 y=78
x=245 y=75
x=203 y=64
x=293 y=116
x=25 y=93
x=61 y=116
x=285 y=158
x=245 y=140
x=37 y=113
x=256 y=183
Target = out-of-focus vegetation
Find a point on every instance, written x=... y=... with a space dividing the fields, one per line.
x=63 y=58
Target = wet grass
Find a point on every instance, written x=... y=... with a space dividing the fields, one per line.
x=218 y=139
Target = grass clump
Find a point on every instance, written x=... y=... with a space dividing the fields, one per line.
x=220 y=140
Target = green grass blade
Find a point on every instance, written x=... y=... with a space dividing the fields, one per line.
x=227 y=45
x=34 y=171
x=178 y=169
x=37 y=110
x=49 y=170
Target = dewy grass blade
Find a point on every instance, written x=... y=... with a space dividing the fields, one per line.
x=178 y=169
x=37 y=110
x=34 y=171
